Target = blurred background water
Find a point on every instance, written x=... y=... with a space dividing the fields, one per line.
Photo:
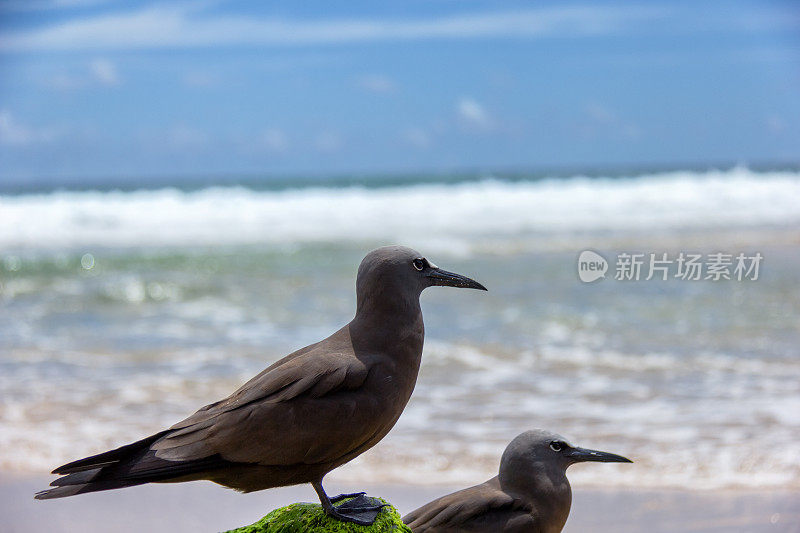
x=123 y=311
x=187 y=189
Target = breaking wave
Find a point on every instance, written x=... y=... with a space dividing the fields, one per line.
x=462 y=214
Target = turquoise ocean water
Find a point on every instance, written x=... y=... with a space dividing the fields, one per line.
x=122 y=311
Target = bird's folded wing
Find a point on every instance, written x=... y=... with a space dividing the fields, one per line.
x=278 y=416
x=458 y=511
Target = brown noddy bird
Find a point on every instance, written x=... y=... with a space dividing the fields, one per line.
x=305 y=415
x=531 y=493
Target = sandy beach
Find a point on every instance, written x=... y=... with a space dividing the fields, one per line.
x=203 y=506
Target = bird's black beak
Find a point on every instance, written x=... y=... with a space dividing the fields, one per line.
x=451 y=279
x=580 y=455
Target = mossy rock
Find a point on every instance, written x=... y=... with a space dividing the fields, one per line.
x=310 y=518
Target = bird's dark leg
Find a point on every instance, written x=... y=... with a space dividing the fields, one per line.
x=361 y=510
x=341 y=497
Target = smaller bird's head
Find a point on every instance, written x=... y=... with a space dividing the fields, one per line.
x=540 y=452
x=397 y=272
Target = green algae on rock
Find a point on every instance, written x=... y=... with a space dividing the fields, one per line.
x=310 y=518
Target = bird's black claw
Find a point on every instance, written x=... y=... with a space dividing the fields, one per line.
x=341 y=497
x=361 y=510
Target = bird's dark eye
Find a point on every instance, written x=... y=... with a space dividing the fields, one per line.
x=556 y=446
x=419 y=263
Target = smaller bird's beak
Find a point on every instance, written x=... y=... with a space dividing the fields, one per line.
x=451 y=279
x=580 y=455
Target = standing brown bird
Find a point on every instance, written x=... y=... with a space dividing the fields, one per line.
x=530 y=495
x=305 y=415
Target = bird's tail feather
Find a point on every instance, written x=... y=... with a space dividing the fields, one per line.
x=78 y=478
x=109 y=457
x=127 y=466
x=71 y=489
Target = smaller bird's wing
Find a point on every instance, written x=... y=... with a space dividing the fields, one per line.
x=259 y=423
x=483 y=507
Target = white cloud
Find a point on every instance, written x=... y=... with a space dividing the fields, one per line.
x=329 y=142
x=274 y=140
x=600 y=113
x=377 y=83
x=16 y=134
x=600 y=116
x=472 y=112
x=99 y=71
x=183 y=136
x=66 y=82
x=104 y=72
x=200 y=79
x=775 y=124
x=185 y=25
x=45 y=5
x=417 y=137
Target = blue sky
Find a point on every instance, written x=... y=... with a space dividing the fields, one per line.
x=101 y=90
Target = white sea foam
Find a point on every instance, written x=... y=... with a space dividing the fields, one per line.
x=455 y=216
x=698 y=383
x=719 y=432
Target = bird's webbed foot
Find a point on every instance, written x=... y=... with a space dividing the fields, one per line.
x=361 y=510
x=341 y=497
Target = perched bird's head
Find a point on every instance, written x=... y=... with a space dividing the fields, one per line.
x=397 y=273
x=542 y=455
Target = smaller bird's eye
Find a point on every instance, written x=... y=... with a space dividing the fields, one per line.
x=419 y=263
x=555 y=446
